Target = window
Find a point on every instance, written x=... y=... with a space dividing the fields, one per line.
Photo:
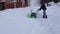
x=13 y=0
x=19 y=1
x=25 y=0
x=3 y=0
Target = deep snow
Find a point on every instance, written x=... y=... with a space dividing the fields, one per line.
x=15 y=21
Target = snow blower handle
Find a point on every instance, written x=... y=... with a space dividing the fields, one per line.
x=38 y=11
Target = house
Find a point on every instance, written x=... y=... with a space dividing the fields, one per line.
x=5 y=4
x=14 y=3
x=1 y=5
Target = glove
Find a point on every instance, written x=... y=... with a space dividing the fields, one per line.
x=39 y=9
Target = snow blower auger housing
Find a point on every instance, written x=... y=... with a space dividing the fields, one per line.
x=32 y=15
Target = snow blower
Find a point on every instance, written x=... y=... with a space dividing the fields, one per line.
x=32 y=15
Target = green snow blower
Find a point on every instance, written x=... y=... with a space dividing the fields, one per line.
x=31 y=15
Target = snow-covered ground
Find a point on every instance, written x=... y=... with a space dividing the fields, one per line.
x=15 y=21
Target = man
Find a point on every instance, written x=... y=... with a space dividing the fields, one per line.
x=43 y=7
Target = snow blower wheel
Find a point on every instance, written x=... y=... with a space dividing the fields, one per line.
x=33 y=15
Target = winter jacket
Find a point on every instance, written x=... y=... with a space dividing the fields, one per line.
x=43 y=7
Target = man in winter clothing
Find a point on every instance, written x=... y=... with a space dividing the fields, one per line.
x=43 y=7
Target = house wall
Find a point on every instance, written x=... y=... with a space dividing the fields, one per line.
x=1 y=5
x=17 y=4
x=14 y=4
x=0 y=1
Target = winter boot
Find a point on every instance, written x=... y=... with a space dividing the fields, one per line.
x=44 y=16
